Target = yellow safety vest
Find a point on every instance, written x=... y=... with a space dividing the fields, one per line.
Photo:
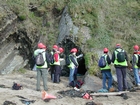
x=119 y=63
x=135 y=66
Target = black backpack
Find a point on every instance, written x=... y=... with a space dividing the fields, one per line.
x=120 y=56
x=138 y=63
x=16 y=86
x=51 y=58
x=68 y=61
x=39 y=60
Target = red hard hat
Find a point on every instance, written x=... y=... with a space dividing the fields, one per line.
x=105 y=50
x=73 y=50
x=118 y=44
x=41 y=45
x=55 y=46
x=61 y=50
x=136 y=47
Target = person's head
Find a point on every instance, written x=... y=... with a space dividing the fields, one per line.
x=55 y=47
x=118 y=45
x=74 y=50
x=61 y=50
x=105 y=50
x=136 y=48
x=41 y=46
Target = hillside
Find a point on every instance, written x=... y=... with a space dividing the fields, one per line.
x=88 y=25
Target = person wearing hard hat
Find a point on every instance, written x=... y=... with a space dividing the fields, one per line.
x=54 y=49
x=42 y=70
x=57 y=68
x=60 y=51
x=135 y=66
x=120 y=61
x=106 y=71
x=73 y=64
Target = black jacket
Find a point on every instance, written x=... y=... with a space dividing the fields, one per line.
x=72 y=58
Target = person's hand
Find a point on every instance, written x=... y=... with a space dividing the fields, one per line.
x=131 y=69
x=48 y=69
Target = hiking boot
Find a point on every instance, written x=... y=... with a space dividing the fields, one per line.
x=46 y=89
x=125 y=89
x=38 y=90
x=112 y=89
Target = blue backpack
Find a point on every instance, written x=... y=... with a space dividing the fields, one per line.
x=102 y=61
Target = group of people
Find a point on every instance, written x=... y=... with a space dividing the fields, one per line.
x=54 y=66
x=121 y=65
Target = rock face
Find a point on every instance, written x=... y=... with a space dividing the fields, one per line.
x=18 y=39
x=66 y=26
x=15 y=43
x=9 y=58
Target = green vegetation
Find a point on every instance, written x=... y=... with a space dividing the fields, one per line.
x=21 y=71
x=110 y=22
x=91 y=61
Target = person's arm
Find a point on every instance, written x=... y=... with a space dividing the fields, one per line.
x=133 y=61
x=47 y=59
x=72 y=59
x=126 y=57
x=108 y=60
x=113 y=57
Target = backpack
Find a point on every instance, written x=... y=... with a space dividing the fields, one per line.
x=16 y=86
x=79 y=83
x=39 y=59
x=51 y=58
x=68 y=60
x=120 y=56
x=76 y=83
x=138 y=63
x=102 y=62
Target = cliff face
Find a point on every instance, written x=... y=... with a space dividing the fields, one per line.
x=18 y=38
x=16 y=44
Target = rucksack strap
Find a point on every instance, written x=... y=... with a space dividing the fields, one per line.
x=120 y=51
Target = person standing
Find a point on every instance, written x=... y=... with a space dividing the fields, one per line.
x=55 y=49
x=134 y=65
x=61 y=50
x=106 y=71
x=42 y=71
x=120 y=60
x=73 y=64
x=57 y=68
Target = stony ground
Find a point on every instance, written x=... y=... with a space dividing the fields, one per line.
x=28 y=80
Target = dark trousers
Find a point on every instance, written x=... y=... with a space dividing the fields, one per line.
x=57 y=72
x=121 y=78
x=52 y=72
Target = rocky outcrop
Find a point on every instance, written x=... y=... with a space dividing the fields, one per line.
x=16 y=44
x=66 y=26
x=18 y=39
